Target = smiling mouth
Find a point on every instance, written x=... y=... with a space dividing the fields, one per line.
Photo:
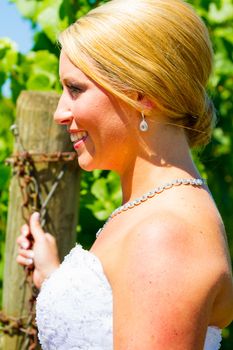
x=78 y=136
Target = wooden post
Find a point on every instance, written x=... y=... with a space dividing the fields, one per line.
x=39 y=133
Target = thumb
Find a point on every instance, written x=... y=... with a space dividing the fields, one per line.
x=35 y=227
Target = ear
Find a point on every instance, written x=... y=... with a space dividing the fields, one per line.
x=146 y=103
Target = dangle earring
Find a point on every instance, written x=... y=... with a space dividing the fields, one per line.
x=143 y=125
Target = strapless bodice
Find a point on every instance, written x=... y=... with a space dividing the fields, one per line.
x=74 y=307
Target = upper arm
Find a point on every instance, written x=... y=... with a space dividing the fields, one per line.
x=161 y=293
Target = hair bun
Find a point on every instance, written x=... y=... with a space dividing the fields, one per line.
x=159 y=48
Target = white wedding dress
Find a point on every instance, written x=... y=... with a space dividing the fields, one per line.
x=74 y=307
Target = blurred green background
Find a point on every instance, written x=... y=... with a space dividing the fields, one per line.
x=100 y=192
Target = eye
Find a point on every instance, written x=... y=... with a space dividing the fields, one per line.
x=74 y=90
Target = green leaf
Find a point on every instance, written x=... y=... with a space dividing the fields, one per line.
x=225 y=13
x=224 y=142
x=99 y=189
x=27 y=8
x=50 y=21
x=38 y=82
x=4 y=175
x=225 y=33
x=8 y=54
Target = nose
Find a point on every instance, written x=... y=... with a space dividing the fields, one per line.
x=63 y=117
x=63 y=114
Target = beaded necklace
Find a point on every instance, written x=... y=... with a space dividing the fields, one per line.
x=151 y=194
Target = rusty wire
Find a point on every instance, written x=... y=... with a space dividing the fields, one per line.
x=41 y=157
x=23 y=164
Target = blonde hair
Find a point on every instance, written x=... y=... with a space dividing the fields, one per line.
x=157 y=48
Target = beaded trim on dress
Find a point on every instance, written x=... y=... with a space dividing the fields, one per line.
x=74 y=307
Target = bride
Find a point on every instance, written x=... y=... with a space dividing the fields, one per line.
x=134 y=76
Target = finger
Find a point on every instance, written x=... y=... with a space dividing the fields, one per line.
x=29 y=254
x=35 y=227
x=20 y=239
x=24 y=261
x=23 y=243
x=25 y=231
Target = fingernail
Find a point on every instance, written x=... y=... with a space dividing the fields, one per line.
x=31 y=254
x=24 y=245
x=36 y=215
x=24 y=230
x=29 y=261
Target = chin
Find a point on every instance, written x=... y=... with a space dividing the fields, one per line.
x=91 y=166
x=86 y=165
x=91 y=163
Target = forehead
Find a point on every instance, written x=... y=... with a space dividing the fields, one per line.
x=67 y=70
x=70 y=73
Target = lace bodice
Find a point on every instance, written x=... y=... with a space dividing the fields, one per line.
x=74 y=307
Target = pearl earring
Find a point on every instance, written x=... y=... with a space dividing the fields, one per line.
x=143 y=125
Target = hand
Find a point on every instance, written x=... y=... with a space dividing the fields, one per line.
x=43 y=253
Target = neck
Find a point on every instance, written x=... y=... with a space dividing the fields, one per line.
x=151 y=169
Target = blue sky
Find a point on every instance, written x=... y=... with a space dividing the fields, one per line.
x=12 y=25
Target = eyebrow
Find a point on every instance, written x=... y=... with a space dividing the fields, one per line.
x=71 y=81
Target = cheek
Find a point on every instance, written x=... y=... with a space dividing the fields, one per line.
x=90 y=103
x=94 y=111
x=102 y=116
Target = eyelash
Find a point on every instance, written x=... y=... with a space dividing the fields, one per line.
x=74 y=90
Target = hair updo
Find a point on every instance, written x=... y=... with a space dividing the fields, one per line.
x=157 y=48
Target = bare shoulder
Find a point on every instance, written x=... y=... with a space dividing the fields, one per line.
x=190 y=232
x=174 y=271
x=168 y=239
